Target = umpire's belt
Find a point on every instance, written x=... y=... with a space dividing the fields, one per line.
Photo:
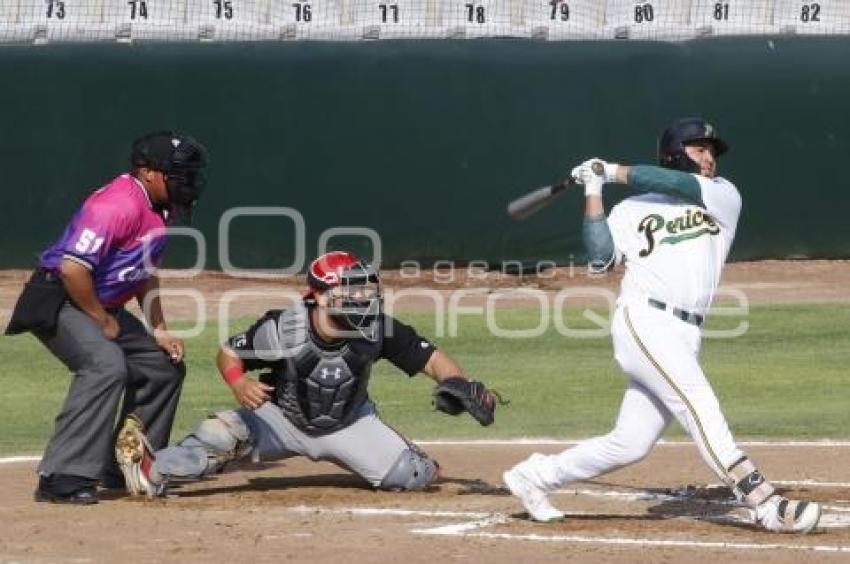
x=686 y=316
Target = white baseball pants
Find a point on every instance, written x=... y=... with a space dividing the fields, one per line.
x=660 y=354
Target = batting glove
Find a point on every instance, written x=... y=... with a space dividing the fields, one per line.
x=595 y=169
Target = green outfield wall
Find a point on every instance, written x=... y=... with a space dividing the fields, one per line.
x=425 y=142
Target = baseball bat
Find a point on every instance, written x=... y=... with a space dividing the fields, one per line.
x=531 y=203
x=536 y=200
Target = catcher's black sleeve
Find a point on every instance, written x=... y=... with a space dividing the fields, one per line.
x=253 y=345
x=404 y=347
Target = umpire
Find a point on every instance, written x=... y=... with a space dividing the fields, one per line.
x=74 y=302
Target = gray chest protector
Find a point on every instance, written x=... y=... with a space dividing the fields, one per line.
x=320 y=389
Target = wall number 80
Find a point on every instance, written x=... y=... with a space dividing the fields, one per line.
x=644 y=13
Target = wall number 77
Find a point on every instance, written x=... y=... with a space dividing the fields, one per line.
x=389 y=13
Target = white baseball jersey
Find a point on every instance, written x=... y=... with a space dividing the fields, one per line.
x=675 y=251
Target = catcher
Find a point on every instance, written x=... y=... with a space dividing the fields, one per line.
x=313 y=401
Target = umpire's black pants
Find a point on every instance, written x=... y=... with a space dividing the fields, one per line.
x=132 y=365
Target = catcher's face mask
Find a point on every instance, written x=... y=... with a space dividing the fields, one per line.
x=352 y=293
x=357 y=302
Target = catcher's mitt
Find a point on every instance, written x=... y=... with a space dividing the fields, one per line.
x=457 y=394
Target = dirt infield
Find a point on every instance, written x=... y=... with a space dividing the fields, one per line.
x=314 y=512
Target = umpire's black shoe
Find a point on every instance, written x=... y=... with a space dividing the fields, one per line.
x=63 y=488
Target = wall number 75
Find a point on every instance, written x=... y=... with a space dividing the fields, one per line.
x=223 y=8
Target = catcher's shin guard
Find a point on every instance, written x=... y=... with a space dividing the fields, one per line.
x=413 y=470
x=222 y=438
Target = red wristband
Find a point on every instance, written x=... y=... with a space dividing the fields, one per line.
x=233 y=374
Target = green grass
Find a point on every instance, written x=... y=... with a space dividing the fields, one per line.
x=786 y=377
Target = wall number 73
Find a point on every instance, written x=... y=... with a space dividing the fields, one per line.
x=56 y=8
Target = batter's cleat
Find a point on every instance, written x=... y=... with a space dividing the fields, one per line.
x=135 y=458
x=533 y=498
x=782 y=515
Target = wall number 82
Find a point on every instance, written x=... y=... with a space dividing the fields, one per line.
x=810 y=13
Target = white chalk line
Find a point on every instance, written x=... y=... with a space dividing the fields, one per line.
x=811 y=483
x=483 y=520
x=653 y=543
x=17 y=459
x=386 y=511
x=462 y=528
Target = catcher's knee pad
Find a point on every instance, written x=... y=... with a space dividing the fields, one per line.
x=747 y=483
x=413 y=470
x=224 y=437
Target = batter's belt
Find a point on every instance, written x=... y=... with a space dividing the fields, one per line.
x=686 y=316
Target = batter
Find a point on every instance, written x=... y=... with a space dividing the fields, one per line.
x=674 y=237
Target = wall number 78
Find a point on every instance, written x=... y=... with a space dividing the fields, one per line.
x=475 y=13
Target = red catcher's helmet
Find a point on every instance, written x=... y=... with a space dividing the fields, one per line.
x=338 y=268
x=355 y=291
